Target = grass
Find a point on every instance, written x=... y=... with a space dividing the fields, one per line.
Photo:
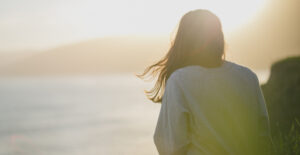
x=288 y=143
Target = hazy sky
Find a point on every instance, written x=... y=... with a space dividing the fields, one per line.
x=41 y=24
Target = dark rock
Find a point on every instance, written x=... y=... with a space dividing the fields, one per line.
x=282 y=94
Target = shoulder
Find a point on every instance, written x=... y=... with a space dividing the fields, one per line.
x=177 y=79
x=183 y=73
x=174 y=77
x=244 y=71
x=179 y=74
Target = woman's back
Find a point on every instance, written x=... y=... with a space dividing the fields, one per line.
x=216 y=111
x=212 y=111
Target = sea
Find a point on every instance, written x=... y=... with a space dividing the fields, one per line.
x=78 y=115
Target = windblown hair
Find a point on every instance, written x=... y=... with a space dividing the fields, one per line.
x=199 y=41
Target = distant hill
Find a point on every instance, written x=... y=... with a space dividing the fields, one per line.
x=8 y=58
x=104 y=55
x=110 y=55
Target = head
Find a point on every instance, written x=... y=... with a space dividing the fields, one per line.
x=199 y=41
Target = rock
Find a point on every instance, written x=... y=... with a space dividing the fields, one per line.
x=282 y=94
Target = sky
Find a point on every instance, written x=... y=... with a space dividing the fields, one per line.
x=42 y=24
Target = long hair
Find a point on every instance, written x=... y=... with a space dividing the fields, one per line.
x=199 y=41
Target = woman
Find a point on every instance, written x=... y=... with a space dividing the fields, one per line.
x=209 y=105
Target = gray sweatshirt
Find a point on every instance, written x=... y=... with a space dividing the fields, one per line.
x=212 y=111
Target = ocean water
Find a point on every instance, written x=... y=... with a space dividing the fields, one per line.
x=83 y=115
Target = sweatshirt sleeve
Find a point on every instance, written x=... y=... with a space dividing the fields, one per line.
x=171 y=134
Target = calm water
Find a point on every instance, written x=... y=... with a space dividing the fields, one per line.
x=106 y=115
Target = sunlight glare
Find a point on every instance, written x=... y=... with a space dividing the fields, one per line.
x=232 y=13
x=140 y=17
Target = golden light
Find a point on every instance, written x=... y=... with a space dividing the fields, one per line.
x=160 y=17
x=235 y=13
x=83 y=20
